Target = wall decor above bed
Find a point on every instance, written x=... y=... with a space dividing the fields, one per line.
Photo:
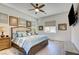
x=40 y=27
x=28 y=23
x=13 y=21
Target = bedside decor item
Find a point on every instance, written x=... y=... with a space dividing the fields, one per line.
x=2 y=31
x=62 y=26
x=40 y=27
x=2 y=35
x=28 y=23
x=7 y=35
x=13 y=21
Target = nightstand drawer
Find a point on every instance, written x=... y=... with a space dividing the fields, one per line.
x=4 y=47
x=5 y=43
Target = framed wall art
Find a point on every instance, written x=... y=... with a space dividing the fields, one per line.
x=62 y=26
x=28 y=23
x=13 y=21
x=40 y=27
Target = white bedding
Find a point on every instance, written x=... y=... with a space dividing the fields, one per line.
x=29 y=41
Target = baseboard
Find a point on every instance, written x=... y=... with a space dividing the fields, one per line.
x=55 y=40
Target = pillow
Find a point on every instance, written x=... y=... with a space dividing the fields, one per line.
x=29 y=34
x=19 y=34
x=22 y=34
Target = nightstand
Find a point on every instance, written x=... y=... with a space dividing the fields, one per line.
x=5 y=43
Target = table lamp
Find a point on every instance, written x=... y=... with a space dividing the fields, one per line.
x=2 y=30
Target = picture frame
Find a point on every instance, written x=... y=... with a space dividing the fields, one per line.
x=28 y=23
x=13 y=21
x=40 y=27
x=62 y=26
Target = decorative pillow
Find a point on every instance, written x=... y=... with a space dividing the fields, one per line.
x=19 y=34
x=29 y=34
x=22 y=34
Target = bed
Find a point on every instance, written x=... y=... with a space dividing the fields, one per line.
x=30 y=44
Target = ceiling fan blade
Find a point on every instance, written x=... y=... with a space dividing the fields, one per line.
x=31 y=9
x=41 y=5
x=33 y=5
x=43 y=11
x=36 y=4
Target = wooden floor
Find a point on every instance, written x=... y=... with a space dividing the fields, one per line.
x=53 y=48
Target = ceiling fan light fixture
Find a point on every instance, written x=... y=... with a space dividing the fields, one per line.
x=37 y=10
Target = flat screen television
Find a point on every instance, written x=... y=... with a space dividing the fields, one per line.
x=72 y=16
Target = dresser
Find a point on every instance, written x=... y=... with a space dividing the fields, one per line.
x=5 y=43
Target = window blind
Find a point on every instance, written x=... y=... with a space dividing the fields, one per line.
x=50 y=23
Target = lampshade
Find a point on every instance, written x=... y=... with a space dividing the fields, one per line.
x=1 y=29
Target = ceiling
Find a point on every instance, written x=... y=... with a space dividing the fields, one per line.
x=49 y=8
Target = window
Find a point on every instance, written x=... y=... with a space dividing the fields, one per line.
x=50 y=29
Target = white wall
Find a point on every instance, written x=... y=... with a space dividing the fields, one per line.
x=75 y=33
x=12 y=12
x=60 y=35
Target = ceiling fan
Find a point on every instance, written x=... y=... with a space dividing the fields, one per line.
x=37 y=8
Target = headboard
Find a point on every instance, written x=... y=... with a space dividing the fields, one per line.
x=19 y=28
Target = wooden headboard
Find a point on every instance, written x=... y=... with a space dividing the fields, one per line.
x=19 y=28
